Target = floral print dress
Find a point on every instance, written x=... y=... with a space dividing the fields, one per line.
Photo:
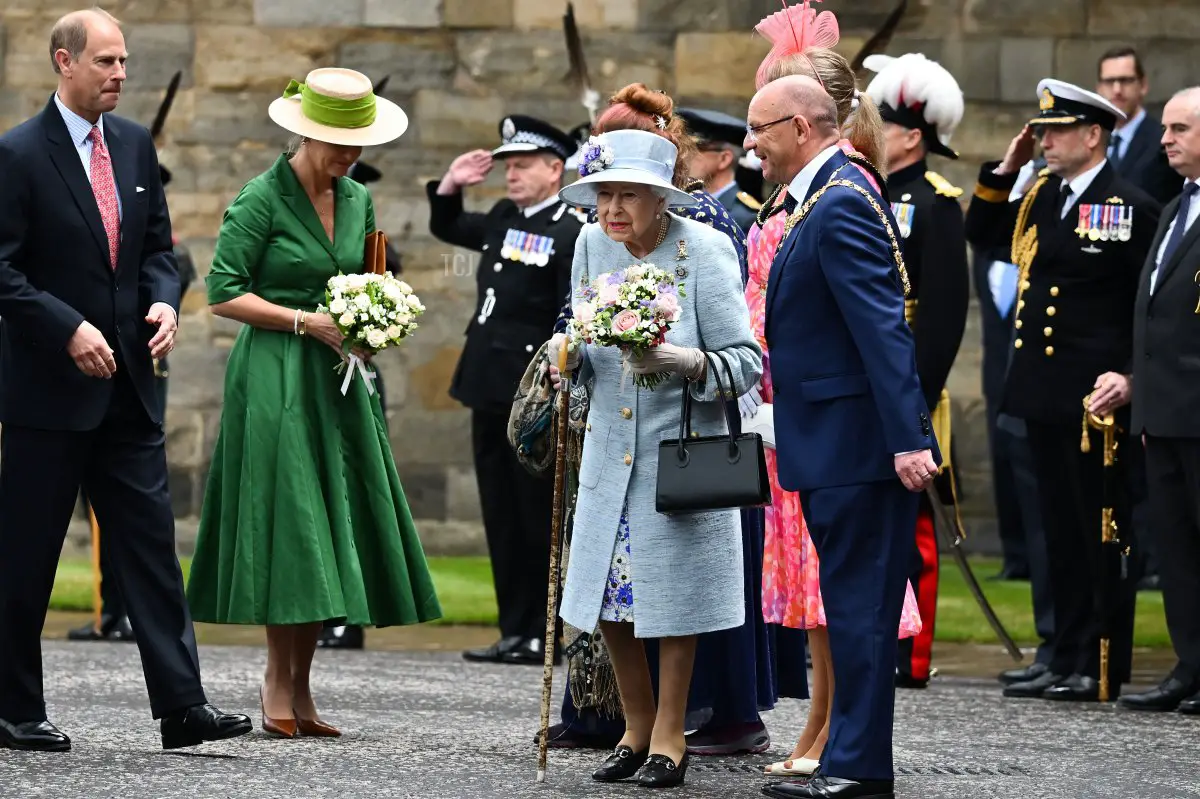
x=791 y=587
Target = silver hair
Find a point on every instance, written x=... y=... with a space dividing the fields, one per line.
x=1190 y=93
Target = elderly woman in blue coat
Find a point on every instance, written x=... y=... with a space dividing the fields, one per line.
x=639 y=573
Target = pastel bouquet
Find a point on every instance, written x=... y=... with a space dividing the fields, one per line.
x=632 y=309
x=373 y=312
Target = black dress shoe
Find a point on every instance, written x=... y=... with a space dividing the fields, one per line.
x=1023 y=674
x=661 y=771
x=1078 y=688
x=566 y=736
x=1033 y=689
x=908 y=681
x=822 y=787
x=349 y=637
x=494 y=653
x=530 y=652
x=1190 y=707
x=1151 y=582
x=122 y=631
x=622 y=764
x=1165 y=697
x=33 y=736
x=201 y=723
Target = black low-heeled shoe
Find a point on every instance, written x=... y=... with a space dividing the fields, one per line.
x=622 y=764
x=660 y=771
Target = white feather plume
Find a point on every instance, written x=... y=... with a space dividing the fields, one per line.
x=912 y=79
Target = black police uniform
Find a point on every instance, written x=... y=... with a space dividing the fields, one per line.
x=522 y=274
x=1074 y=322
x=709 y=126
x=933 y=242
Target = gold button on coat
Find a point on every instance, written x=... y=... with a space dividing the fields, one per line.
x=1048 y=331
x=1024 y=285
x=1049 y=350
x=1054 y=291
x=589 y=427
x=1051 y=311
x=1017 y=344
x=628 y=459
x=1020 y=304
x=1018 y=324
x=627 y=413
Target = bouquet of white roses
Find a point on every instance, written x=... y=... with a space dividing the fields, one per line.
x=632 y=309
x=373 y=312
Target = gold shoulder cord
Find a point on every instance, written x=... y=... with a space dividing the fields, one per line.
x=801 y=212
x=1025 y=242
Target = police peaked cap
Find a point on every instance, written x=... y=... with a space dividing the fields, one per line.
x=523 y=134
x=713 y=126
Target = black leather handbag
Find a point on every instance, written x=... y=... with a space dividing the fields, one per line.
x=711 y=472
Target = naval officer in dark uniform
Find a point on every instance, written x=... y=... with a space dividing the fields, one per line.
x=718 y=143
x=921 y=105
x=1079 y=238
x=526 y=244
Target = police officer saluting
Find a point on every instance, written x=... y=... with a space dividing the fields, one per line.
x=921 y=105
x=719 y=141
x=526 y=244
x=1079 y=238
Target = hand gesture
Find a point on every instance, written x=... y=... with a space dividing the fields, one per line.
x=469 y=169
x=162 y=316
x=321 y=327
x=916 y=470
x=1020 y=152
x=1112 y=391
x=91 y=352
x=554 y=347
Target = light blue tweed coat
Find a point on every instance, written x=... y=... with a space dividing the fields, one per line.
x=686 y=569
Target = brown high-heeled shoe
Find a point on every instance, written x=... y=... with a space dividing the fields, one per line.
x=315 y=728
x=284 y=728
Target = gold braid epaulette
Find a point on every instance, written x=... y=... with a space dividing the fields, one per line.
x=801 y=212
x=1025 y=242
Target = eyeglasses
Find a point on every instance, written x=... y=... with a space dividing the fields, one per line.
x=1121 y=80
x=753 y=130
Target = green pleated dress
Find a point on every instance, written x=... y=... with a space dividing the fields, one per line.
x=304 y=518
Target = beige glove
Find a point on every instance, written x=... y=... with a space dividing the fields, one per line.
x=556 y=343
x=686 y=361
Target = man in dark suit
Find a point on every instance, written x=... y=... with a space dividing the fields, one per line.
x=89 y=294
x=1079 y=237
x=850 y=417
x=1166 y=398
x=526 y=244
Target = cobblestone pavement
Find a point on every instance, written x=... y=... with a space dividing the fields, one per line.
x=427 y=724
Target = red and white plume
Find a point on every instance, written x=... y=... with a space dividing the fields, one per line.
x=925 y=86
x=794 y=30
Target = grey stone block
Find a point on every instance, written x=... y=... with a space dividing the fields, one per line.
x=181 y=482
x=1023 y=63
x=226 y=119
x=974 y=62
x=308 y=13
x=157 y=52
x=402 y=13
x=692 y=15
x=424 y=488
x=413 y=62
x=1058 y=18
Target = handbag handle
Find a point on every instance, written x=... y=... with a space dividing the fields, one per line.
x=685 y=416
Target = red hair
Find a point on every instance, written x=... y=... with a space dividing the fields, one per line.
x=638 y=108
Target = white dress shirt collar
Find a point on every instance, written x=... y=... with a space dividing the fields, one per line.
x=803 y=181
x=77 y=126
x=1079 y=184
x=542 y=206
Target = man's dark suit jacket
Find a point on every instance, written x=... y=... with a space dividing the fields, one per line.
x=1145 y=163
x=1166 y=339
x=55 y=271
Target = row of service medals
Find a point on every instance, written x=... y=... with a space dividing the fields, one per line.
x=1105 y=222
x=904 y=217
x=527 y=248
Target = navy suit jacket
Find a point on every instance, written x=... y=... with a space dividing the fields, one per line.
x=843 y=364
x=55 y=271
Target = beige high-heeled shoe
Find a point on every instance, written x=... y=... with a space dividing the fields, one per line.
x=793 y=767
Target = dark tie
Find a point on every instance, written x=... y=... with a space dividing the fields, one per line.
x=1063 y=195
x=1114 y=150
x=789 y=204
x=1180 y=228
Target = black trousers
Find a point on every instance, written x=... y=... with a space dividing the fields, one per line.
x=122 y=465
x=1173 y=469
x=1086 y=604
x=517 y=512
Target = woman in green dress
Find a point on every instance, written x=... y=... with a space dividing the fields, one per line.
x=304 y=518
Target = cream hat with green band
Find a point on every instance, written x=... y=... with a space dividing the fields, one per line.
x=338 y=106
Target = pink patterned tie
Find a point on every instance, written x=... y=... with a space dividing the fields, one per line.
x=105 y=189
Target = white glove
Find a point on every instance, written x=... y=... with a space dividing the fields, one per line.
x=668 y=358
x=556 y=343
x=748 y=403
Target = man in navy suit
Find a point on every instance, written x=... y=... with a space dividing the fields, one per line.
x=89 y=295
x=852 y=428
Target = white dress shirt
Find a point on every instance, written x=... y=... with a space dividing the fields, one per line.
x=542 y=206
x=1123 y=136
x=1079 y=184
x=800 y=184
x=79 y=129
x=1193 y=212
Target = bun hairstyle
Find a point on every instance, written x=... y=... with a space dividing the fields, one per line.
x=858 y=115
x=638 y=108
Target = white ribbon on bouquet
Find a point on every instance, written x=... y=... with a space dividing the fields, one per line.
x=357 y=364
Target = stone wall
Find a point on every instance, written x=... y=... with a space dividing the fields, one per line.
x=457 y=66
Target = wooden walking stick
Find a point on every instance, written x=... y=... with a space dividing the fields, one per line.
x=97 y=600
x=560 y=463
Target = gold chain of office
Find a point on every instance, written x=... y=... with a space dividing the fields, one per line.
x=801 y=212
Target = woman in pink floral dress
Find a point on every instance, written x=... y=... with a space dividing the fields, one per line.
x=791 y=592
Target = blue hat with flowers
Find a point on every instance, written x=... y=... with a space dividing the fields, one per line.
x=626 y=156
